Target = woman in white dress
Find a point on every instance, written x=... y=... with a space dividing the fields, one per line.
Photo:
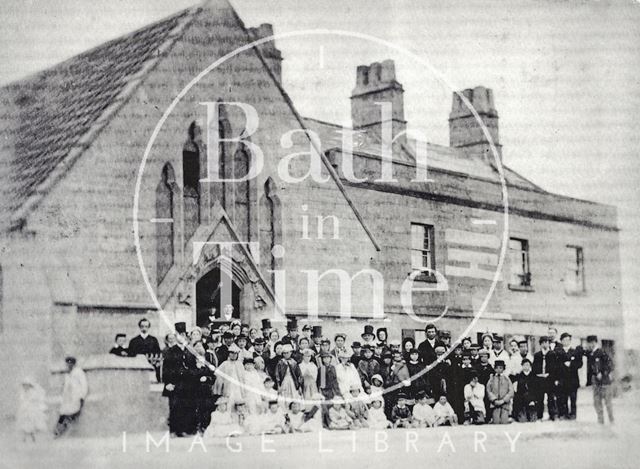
x=254 y=387
x=309 y=372
x=230 y=378
x=347 y=375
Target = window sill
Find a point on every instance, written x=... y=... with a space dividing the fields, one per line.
x=425 y=278
x=576 y=293
x=524 y=288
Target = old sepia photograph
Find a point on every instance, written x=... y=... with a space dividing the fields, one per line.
x=296 y=233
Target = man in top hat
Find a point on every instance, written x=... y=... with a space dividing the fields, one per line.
x=545 y=367
x=499 y=392
x=292 y=333
x=600 y=376
x=266 y=329
x=570 y=361
x=427 y=348
x=367 y=335
x=316 y=338
x=177 y=366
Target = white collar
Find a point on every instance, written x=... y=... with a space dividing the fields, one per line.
x=145 y=335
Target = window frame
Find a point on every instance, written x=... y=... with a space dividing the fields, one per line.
x=428 y=234
x=578 y=271
x=525 y=283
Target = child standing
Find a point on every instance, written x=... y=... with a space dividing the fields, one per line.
x=445 y=414
x=31 y=415
x=499 y=392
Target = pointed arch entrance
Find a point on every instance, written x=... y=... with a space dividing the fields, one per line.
x=211 y=294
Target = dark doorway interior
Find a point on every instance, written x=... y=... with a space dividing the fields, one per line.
x=210 y=293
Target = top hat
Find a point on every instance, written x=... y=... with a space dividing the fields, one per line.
x=592 y=338
x=368 y=330
x=292 y=324
x=266 y=324
x=181 y=327
x=316 y=332
x=498 y=363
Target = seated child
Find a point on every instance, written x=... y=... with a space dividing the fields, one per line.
x=248 y=422
x=401 y=413
x=357 y=408
x=295 y=418
x=377 y=418
x=313 y=414
x=445 y=414
x=274 y=420
x=222 y=422
x=338 y=417
x=423 y=414
x=474 y=410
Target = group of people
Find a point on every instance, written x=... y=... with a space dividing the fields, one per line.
x=234 y=378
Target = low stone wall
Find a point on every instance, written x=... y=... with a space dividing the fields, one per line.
x=123 y=396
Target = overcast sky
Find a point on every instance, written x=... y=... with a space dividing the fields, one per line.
x=565 y=76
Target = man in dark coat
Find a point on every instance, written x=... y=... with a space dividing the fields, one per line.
x=367 y=366
x=525 y=406
x=292 y=334
x=545 y=367
x=599 y=374
x=144 y=343
x=427 y=348
x=222 y=352
x=178 y=385
x=570 y=361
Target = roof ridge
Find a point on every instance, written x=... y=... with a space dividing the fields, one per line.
x=18 y=218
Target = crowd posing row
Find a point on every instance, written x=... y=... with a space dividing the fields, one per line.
x=231 y=378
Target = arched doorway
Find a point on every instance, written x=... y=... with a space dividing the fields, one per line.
x=211 y=293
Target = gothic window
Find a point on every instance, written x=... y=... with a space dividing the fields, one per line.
x=270 y=229
x=191 y=183
x=240 y=208
x=165 y=223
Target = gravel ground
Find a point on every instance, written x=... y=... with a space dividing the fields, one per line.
x=583 y=444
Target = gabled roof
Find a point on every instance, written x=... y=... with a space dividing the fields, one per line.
x=47 y=117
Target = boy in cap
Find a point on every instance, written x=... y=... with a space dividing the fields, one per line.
x=327 y=380
x=368 y=366
x=356 y=349
x=545 y=367
x=500 y=394
x=526 y=393
x=401 y=416
x=600 y=375
x=570 y=360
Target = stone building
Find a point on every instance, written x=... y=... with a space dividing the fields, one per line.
x=73 y=140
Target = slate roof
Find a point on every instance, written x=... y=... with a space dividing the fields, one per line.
x=44 y=117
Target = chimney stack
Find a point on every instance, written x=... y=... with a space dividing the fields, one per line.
x=376 y=83
x=465 y=132
x=268 y=49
